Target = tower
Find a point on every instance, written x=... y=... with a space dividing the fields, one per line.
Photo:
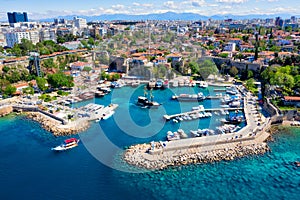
x=34 y=64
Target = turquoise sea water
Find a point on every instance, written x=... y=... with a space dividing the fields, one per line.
x=29 y=170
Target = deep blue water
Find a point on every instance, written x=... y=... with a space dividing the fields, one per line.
x=29 y=170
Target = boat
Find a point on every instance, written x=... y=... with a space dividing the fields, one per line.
x=151 y=83
x=235 y=104
x=189 y=97
x=175 y=84
x=173 y=136
x=203 y=84
x=232 y=90
x=105 y=90
x=108 y=114
x=68 y=144
x=233 y=120
x=144 y=102
x=99 y=94
x=159 y=84
x=166 y=83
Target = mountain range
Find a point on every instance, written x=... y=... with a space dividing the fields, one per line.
x=171 y=16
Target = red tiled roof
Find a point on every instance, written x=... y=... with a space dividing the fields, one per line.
x=289 y=98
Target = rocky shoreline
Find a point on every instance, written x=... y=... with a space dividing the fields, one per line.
x=6 y=110
x=56 y=127
x=134 y=155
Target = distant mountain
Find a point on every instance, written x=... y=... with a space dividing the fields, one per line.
x=171 y=16
x=161 y=16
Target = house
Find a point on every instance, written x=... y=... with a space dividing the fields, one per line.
x=160 y=60
x=236 y=41
x=80 y=65
x=291 y=101
x=142 y=60
x=174 y=57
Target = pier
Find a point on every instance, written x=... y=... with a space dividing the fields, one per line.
x=169 y=117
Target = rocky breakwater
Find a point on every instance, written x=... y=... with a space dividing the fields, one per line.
x=5 y=110
x=137 y=155
x=56 y=127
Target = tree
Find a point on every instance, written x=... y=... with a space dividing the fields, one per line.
x=42 y=83
x=28 y=90
x=3 y=84
x=206 y=68
x=223 y=55
x=250 y=83
x=59 y=80
x=10 y=90
x=87 y=69
x=256 y=46
x=194 y=67
x=233 y=71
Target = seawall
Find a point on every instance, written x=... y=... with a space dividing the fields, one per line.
x=56 y=127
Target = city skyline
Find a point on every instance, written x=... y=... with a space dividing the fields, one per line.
x=41 y=10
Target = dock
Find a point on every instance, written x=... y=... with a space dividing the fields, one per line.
x=169 y=117
x=100 y=112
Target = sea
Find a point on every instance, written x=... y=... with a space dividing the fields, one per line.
x=95 y=170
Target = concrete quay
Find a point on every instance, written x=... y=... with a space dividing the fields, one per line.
x=169 y=117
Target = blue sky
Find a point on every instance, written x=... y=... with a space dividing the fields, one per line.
x=37 y=9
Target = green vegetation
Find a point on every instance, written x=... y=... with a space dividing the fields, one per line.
x=28 y=90
x=9 y=90
x=44 y=48
x=62 y=93
x=59 y=80
x=47 y=97
x=204 y=68
x=42 y=83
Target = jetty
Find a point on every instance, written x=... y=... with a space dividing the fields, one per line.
x=169 y=117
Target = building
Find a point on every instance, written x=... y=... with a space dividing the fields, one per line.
x=34 y=36
x=47 y=34
x=291 y=101
x=79 y=66
x=13 y=38
x=230 y=46
x=80 y=22
x=16 y=17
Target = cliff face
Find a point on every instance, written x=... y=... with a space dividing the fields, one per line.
x=5 y=110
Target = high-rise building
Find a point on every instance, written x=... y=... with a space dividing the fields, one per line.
x=80 y=22
x=16 y=17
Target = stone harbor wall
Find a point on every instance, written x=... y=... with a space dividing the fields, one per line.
x=135 y=155
x=56 y=127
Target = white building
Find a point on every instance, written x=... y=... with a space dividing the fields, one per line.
x=80 y=22
x=47 y=34
x=230 y=46
x=13 y=38
x=34 y=36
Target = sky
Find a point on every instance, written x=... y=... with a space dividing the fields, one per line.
x=41 y=9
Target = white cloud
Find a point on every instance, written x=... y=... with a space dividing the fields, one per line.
x=170 y=5
x=142 y=4
x=231 y=1
x=198 y=3
x=118 y=6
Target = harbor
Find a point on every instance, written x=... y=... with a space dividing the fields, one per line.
x=249 y=140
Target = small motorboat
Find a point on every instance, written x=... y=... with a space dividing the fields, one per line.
x=68 y=144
